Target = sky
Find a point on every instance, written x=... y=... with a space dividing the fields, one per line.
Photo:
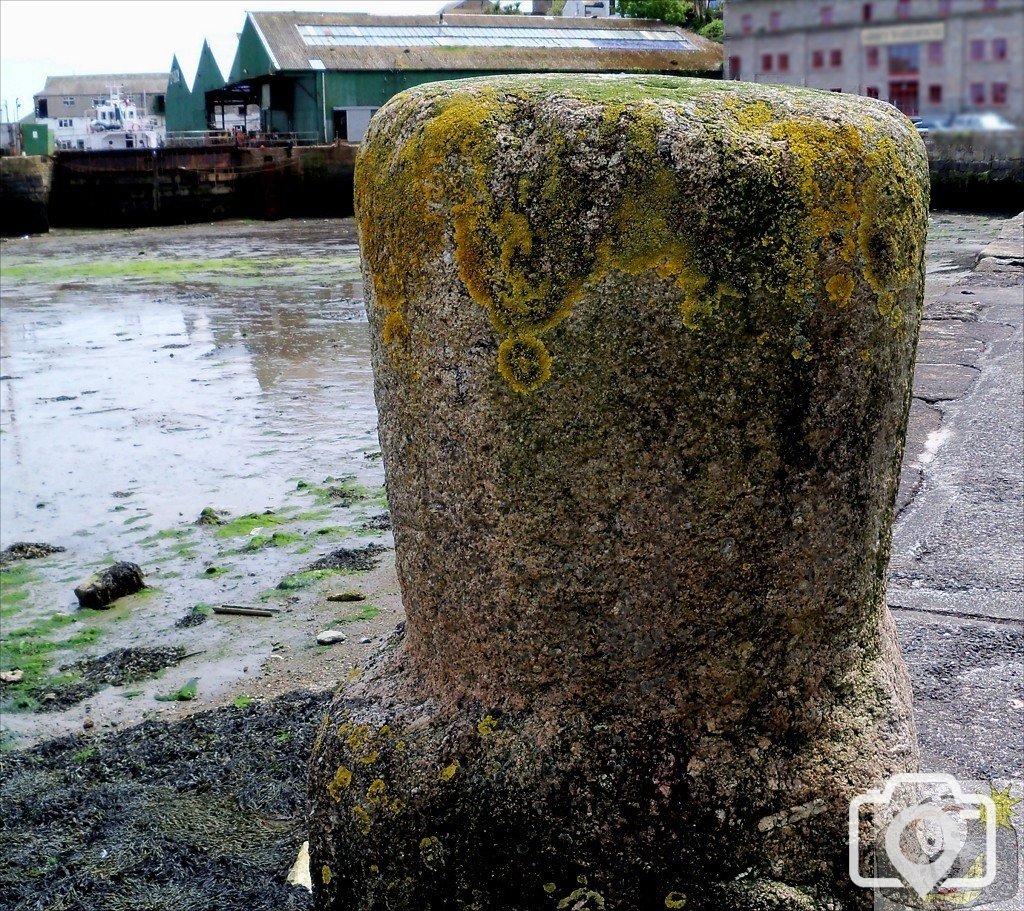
x=40 y=38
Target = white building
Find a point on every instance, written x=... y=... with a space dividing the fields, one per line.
x=92 y=112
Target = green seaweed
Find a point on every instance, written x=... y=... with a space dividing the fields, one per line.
x=247 y=524
x=363 y=612
x=185 y=694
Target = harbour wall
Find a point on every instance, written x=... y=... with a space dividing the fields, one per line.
x=138 y=187
x=132 y=188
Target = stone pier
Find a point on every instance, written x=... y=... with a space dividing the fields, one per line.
x=642 y=350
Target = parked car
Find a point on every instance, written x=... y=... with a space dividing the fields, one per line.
x=984 y=121
x=927 y=124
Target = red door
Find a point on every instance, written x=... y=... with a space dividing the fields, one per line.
x=904 y=95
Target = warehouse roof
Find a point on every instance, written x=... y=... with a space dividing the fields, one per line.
x=333 y=41
x=99 y=84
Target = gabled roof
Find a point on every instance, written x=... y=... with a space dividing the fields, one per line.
x=99 y=84
x=338 y=41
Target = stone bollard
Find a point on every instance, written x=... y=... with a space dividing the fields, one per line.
x=643 y=351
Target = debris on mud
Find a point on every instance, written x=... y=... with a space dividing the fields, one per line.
x=127 y=665
x=199 y=614
x=88 y=676
x=203 y=812
x=106 y=587
x=378 y=523
x=23 y=550
x=58 y=697
x=353 y=559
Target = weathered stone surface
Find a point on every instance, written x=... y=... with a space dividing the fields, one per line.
x=114 y=582
x=642 y=351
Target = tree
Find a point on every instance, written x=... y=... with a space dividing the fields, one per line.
x=674 y=12
x=714 y=30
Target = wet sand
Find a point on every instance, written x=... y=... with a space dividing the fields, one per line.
x=148 y=375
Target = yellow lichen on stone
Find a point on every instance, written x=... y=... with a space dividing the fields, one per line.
x=524 y=362
x=362 y=818
x=325 y=875
x=342 y=779
x=840 y=289
x=895 y=212
x=395 y=330
x=750 y=116
x=487 y=725
x=675 y=900
x=449 y=771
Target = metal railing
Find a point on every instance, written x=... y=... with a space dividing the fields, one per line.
x=194 y=138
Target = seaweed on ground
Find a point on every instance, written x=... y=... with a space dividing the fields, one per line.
x=88 y=676
x=24 y=550
x=352 y=559
x=206 y=812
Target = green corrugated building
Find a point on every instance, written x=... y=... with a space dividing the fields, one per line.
x=36 y=138
x=320 y=76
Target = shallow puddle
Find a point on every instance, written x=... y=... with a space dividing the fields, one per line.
x=148 y=375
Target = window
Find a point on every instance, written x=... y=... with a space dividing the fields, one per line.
x=64 y=122
x=835 y=57
x=872 y=91
x=977 y=93
x=945 y=7
x=904 y=59
x=872 y=56
x=784 y=63
x=747 y=24
x=735 y=67
x=977 y=50
x=903 y=9
x=818 y=59
x=935 y=52
x=826 y=15
x=935 y=94
x=1000 y=90
x=999 y=48
x=68 y=101
x=867 y=13
x=766 y=63
x=775 y=21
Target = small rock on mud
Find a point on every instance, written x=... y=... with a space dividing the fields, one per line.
x=12 y=676
x=23 y=550
x=330 y=636
x=350 y=595
x=106 y=587
x=210 y=516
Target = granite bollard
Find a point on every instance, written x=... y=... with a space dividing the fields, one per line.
x=642 y=349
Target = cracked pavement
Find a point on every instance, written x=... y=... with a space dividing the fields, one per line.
x=956 y=578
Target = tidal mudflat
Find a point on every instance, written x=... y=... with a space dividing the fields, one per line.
x=148 y=376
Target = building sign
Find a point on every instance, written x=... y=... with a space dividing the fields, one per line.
x=903 y=34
